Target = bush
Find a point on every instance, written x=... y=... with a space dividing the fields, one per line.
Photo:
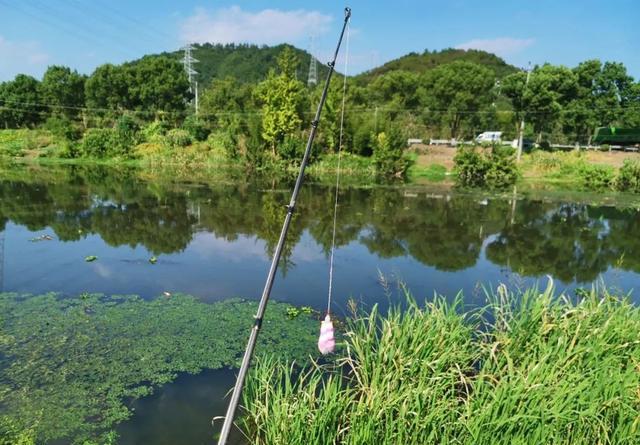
x=475 y=168
x=502 y=169
x=62 y=129
x=596 y=177
x=96 y=143
x=125 y=136
x=224 y=141
x=629 y=177
x=196 y=128
x=291 y=148
x=155 y=131
x=388 y=154
x=471 y=167
x=178 y=138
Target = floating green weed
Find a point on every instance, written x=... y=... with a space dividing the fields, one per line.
x=67 y=365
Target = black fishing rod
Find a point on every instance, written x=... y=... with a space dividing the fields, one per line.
x=251 y=344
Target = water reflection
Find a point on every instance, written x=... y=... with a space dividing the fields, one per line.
x=227 y=231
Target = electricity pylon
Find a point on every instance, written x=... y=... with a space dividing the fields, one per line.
x=313 y=67
x=188 y=61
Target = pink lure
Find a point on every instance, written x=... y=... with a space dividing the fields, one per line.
x=326 y=342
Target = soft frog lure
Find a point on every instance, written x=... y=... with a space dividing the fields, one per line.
x=326 y=341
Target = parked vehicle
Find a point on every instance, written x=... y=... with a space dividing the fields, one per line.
x=489 y=137
x=617 y=136
x=527 y=144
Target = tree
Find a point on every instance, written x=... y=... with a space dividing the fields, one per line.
x=63 y=91
x=222 y=98
x=107 y=88
x=158 y=84
x=542 y=100
x=20 y=102
x=396 y=89
x=454 y=91
x=281 y=96
x=632 y=111
x=388 y=153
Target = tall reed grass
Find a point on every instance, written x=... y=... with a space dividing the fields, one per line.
x=535 y=368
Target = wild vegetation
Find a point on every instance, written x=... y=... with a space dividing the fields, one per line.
x=68 y=366
x=477 y=167
x=529 y=369
x=259 y=119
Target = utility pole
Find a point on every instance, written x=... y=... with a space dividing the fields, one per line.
x=313 y=67
x=375 y=119
x=521 y=135
x=2 y=261
x=187 y=62
x=196 y=97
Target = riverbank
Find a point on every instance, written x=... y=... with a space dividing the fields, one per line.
x=536 y=368
x=591 y=170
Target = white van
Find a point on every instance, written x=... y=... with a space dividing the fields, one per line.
x=489 y=137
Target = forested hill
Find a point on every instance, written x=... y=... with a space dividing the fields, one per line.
x=251 y=63
x=431 y=59
x=247 y=63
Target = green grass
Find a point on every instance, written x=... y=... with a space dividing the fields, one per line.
x=431 y=172
x=536 y=369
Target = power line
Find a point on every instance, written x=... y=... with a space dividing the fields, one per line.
x=364 y=110
x=54 y=21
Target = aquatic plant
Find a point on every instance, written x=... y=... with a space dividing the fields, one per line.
x=68 y=365
x=535 y=368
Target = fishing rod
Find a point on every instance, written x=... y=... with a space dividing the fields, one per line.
x=255 y=330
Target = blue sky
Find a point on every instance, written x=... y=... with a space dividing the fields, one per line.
x=86 y=33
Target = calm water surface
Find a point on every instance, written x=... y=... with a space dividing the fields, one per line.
x=215 y=240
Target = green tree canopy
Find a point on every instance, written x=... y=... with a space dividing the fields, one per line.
x=20 y=102
x=63 y=90
x=281 y=96
x=453 y=92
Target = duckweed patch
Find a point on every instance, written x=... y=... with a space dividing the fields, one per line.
x=69 y=365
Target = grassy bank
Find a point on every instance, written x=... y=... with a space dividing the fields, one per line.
x=189 y=158
x=537 y=369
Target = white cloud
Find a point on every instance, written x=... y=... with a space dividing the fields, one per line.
x=502 y=46
x=21 y=57
x=269 y=26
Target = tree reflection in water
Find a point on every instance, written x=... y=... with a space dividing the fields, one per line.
x=570 y=241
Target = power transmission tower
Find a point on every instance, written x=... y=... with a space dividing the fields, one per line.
x=313 y=67
x=188 y=61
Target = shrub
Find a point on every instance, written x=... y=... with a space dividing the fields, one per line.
x=224 y=141
x=629 y=177
x=178 y=138
x=475 y=168
x=471 y=167
x=596 y=177
x=155 y=131
x=388 y=154
x=125 y=137
x=502 y=169
x=291 y=148
x=62 y=128
x=196 y=128
x=96 y=143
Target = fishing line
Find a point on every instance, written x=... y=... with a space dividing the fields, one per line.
x=335 y=206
